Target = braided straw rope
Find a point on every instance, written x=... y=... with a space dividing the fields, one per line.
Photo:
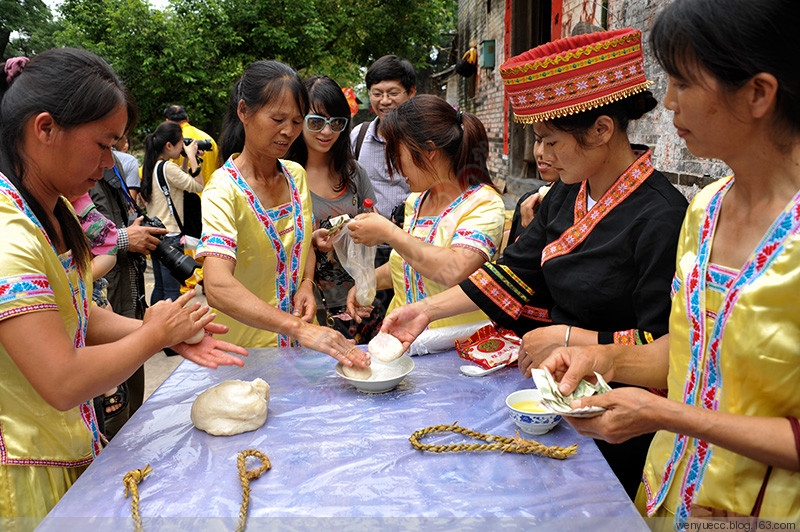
x=131 y=481
x=496 y=443
x=245 y=477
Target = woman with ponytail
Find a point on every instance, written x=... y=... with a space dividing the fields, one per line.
x=454 y=217
x=58 y=122
x=160 y=147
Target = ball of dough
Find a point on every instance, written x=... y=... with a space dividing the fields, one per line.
x=355 y=372
x=231 y=407
x=196 y=338
x=385 y=347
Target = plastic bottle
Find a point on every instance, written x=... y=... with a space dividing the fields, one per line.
x=369 y=205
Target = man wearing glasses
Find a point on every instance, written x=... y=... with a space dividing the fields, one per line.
x=390 y=82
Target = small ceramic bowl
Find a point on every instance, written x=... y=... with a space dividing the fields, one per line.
x=526 y=410
x=385 y=376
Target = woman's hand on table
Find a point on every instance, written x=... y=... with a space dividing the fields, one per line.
x=211 y=352
x=332 y=343
x=406 y=323
x=371 y=229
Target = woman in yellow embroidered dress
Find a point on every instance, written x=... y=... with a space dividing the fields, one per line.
x=256 y=250
x=58 y=122
x=454 y=217
x=728 y=440
x=595 y=265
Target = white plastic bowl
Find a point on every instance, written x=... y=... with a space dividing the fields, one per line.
x=531 y=422
x=386 y=376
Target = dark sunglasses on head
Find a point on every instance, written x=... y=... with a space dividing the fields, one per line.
x=317 y=123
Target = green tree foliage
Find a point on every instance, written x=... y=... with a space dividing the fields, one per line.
x=193 y=51
x=19 y=20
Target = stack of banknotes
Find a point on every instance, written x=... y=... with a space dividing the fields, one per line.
x=558 y=403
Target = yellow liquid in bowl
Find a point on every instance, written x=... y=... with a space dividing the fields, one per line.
x=529 y=406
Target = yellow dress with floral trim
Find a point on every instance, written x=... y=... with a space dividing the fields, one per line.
x=269 y=246
x=42 y=450
x=474 y=220
x=758 y=372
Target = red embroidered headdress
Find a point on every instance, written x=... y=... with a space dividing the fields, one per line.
x=571 y=75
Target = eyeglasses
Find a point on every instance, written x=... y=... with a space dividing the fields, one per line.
x=317 y=123
x=393 y=95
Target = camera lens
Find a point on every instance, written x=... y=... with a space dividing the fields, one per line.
x=180 y=265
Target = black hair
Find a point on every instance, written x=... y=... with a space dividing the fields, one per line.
x=262 y=83
x=621 y=112
x=175 y=113
x=153 y=147
x=698 y=33
x=426 y=123
x=326 y=97
x=391 y=67
x=74 y=87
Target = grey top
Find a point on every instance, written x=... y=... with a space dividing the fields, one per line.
x=390 y=191
x=330 y=276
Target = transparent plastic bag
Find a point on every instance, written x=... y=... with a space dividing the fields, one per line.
x=359 y=261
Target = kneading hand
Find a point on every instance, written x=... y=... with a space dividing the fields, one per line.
x=332 y=343
x=406 y=323
x=211 y=352
x=172 y=323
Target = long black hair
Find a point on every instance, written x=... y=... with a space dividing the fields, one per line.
x=697 y=33
x=75 y=87
x=326 y=97
x=153 y=146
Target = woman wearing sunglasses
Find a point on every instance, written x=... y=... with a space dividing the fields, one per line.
x=256 y=249
x=454 y=217
x=339 y=185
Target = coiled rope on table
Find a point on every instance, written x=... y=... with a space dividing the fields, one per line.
x=134 y=477
x=245 y=476
x=131 y=481
x=494 y=443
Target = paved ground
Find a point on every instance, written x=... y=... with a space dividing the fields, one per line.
x=160 y=365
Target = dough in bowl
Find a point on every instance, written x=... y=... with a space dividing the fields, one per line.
x=355 y=372
x=231 y=407
x=385 y=347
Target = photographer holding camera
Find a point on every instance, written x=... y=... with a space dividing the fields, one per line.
x=205 y=143
x=163 y=184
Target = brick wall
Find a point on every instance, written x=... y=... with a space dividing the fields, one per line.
x=483 y=94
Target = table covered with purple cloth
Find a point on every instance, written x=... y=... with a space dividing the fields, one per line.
x=341 y=459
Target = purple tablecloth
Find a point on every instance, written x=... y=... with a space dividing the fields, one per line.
x=341 y=459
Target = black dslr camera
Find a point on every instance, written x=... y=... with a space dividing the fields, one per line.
x=180 y=265
x=204 y=145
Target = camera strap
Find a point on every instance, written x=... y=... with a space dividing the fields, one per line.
x=162 y=183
